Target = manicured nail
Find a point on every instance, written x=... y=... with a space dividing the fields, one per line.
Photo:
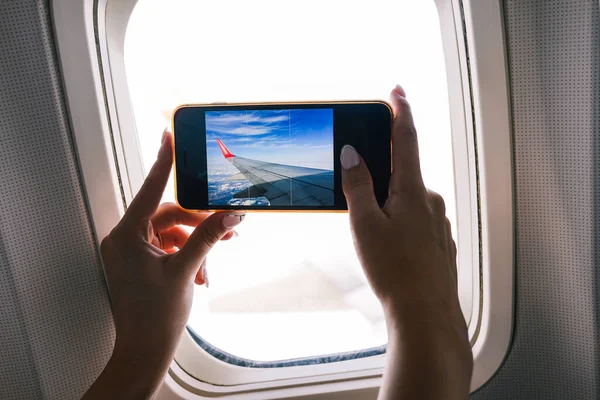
x=205 y=275
x=232 y=220
x=400 y=91
x=349 y=157
x=163 y=141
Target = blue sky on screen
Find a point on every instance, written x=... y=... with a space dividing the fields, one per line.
x=294 y=137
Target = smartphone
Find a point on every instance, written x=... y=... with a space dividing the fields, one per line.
x=283 y=156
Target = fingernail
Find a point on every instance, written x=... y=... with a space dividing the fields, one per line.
x=349 y=157
x=232 y=220
x=164 y=135
x=205 y=276
x=400 y=91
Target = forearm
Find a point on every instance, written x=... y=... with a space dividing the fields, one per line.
x=129 y=377
x=427 y=362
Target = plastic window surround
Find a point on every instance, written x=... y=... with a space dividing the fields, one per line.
x=97 y=93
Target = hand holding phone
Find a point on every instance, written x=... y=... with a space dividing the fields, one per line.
x=276 y=156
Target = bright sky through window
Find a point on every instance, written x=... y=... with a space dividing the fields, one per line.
x=290 y=285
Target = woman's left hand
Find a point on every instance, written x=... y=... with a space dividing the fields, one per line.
x=151 y=264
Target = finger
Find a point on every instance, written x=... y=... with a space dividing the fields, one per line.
x=177 y=237
x=452 y=252
x=357 y=184
x=406 y=167
x=451 y=242
x=437 y=204
x=174 y=237
x=169 y=215
x=229 y=235
x=204 y=237
x=437 y=207
x=146 y=202
x=400 y=90
x=202 y=275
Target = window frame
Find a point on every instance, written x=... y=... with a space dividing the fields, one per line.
x=106 y=141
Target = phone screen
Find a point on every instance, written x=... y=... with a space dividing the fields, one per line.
x=283 y=157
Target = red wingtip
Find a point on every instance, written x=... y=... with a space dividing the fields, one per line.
x=226 y=153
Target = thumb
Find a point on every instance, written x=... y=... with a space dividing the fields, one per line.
x=357 y=184
x=204 y=237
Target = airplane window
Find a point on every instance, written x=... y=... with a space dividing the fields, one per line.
x=290 y=285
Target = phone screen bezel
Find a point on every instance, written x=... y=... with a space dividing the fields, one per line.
x=366 y=125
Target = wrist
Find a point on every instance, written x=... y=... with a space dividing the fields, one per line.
x=137 y=374
x=429 y=328
x=125 y=377
x=432 y=353
x=416 y=312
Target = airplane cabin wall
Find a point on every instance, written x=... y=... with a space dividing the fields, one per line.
x=554 y=60
x=56 y=329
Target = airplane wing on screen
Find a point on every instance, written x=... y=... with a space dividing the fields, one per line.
x=282 y=185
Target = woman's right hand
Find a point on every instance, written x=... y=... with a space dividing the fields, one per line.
x=409 y=257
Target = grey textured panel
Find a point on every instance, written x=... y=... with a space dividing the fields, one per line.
x=56 y=329
x=554 y=52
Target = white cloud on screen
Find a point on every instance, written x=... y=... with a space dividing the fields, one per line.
x=244 y=139
x=256 y=124
x=245 y=130
x=248 y=117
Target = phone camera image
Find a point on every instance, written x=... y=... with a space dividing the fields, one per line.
x=263 y=158
x=271 y=157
